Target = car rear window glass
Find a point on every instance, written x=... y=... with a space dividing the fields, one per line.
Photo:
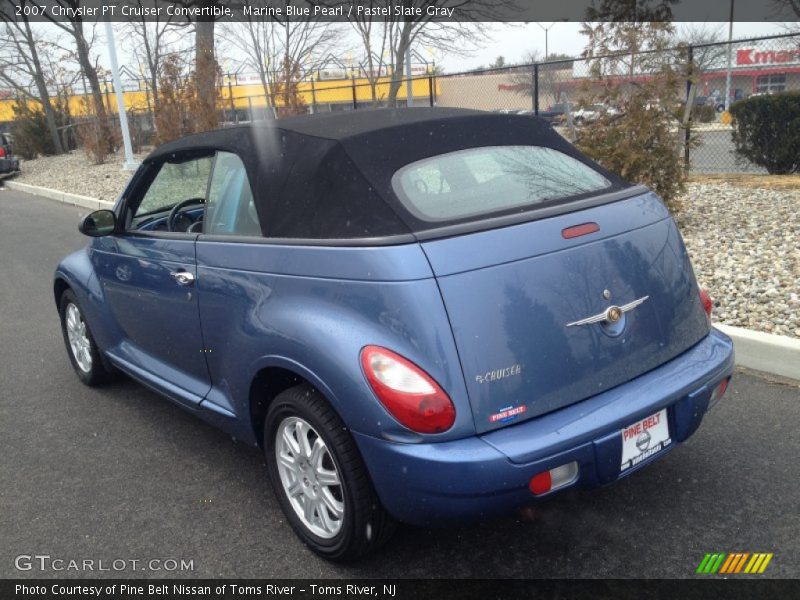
x=486 y=180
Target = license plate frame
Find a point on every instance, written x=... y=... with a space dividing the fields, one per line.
x=644 y=439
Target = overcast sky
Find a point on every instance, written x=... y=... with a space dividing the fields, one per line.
x=514 y=42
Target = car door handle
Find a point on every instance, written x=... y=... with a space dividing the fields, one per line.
x=183 y=277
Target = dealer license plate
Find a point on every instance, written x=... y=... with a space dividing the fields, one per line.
x=643 y=439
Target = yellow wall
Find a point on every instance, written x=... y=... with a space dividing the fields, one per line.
x=331 y=91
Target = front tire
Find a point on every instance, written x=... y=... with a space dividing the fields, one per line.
x=320 y=479
x=82 y=350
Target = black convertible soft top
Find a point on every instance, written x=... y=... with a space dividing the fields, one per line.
x=329 y=176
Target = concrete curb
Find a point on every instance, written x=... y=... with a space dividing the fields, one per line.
x=58 y=196
x=775 y=354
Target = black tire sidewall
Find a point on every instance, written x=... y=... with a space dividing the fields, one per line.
x=97 y=374
x=291 y=404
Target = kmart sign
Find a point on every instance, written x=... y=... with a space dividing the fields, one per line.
x=754 y=56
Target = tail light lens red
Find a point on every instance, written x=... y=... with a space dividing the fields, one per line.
x=407 y=392
x=2 y=152
x=708 y=305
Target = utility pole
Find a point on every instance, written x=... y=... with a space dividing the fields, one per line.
x=730 y=59
x=130 y=164
x=546 y=30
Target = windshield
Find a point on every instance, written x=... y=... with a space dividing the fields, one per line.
x=486 y=180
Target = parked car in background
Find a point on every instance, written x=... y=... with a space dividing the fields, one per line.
x=8 y=162
x=420 y=315
x=592 y=112
x=557 y=113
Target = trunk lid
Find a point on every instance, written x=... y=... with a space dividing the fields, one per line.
x=510 y=294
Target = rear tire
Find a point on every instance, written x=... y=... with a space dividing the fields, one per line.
x=82 y=350
x=322 y=483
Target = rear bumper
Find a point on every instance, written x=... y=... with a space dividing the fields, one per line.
x=9 y=165
x=489 y=474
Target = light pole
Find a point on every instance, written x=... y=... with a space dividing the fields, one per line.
x=409 y=82
x=546 y=30
x=730 y=58
x=130 y=164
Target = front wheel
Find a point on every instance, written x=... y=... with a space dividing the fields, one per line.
x=320 y=479
x=81 y=347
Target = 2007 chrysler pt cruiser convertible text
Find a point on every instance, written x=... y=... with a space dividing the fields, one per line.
x=421 y=315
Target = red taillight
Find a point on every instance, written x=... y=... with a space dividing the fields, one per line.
x=2 y=152
x=708 y=305
x=579 y=230
x=407 y=392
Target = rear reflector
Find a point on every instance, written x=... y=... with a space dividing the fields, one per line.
x=708 y=305
x=556 y=478
x=579 y=230
x=719 y=392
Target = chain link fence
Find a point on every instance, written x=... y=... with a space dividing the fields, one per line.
x=563 y=92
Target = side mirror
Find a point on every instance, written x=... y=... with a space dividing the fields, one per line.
x=98 y=223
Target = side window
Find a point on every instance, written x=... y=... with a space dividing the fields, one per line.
x=230 y=208
x=176 y=182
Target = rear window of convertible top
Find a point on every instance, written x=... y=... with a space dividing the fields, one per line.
x=485 y=180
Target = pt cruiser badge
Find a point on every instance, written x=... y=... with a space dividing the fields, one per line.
x=611 y=315
x=499 y=374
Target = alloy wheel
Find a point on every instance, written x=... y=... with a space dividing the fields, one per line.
x=79 y=343
x=310 y=477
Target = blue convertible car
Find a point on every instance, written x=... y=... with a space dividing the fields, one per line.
x=420 y=315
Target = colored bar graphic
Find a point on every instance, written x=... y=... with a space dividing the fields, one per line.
x=714 y=563
x=703 y=563
x=764 y=564
x=741 y=562
x=729 y=563
x=722 y=563
x=719 y=563
x=752 y=564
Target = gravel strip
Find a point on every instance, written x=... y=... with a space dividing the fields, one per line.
x=744 y=242
x=745 y=247
x=72 y=173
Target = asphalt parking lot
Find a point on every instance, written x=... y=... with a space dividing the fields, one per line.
x=118 y=473
x=714 y=153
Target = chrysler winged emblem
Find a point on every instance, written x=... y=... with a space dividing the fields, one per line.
x=610 y=315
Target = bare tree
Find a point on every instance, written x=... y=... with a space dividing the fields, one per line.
x=555 y=77
x=707 y=50
x=394 y=35
x=21 y=64
x=73 y=25
x=151 y=39
x=373 y=36
x=786 y=9
x=457 y=37
x=205 y=70
x=280 y=49
x=627 y=47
